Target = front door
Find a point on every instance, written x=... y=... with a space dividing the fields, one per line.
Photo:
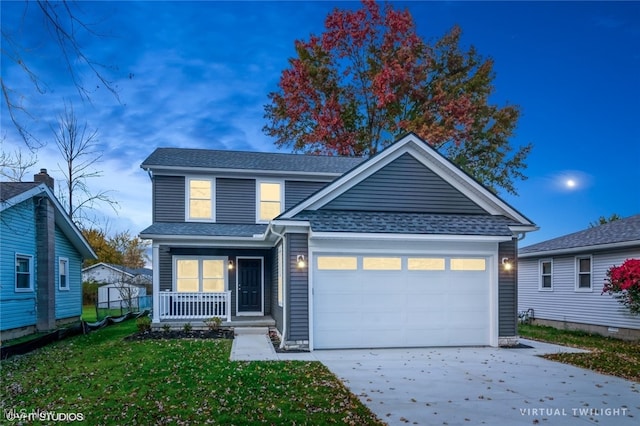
x=249 y=286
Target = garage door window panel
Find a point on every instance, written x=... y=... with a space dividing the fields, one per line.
x=382 y=263
x=337 y=263
x=468 y=264
x=425 y=264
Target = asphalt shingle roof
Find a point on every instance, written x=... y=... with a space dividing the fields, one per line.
x=9 y=190
x=205 y=229
x=618 y=231
x=217 y=159
x=406 y=223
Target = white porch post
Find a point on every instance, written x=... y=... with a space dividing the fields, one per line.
x=155 y=259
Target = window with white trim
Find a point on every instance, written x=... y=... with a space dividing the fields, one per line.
x=280 y=275
x=24 y=273
x=546 y=274
x=269 y=200
x=200 y=196
x=583 y=273
x=63 y=273
x=200 y=274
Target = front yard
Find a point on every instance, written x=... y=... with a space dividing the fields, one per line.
x=607 y=355
x=112 y=381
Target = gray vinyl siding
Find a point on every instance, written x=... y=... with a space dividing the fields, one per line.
x=168 y=198
x=508 y=291
x=298 y=288
x=405 y=185
x=296 y=191
x=235 y=200
x=563 y=302
x=276 y=310
x=166 y=268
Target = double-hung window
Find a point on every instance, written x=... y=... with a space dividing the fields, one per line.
x=24 y=273
x=269 y=200
x=200 y=196
x=200 y=274
x=63 y=273
x=546 y=275
x=583 y=273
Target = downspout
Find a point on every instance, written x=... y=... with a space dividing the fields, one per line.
x=284 y=287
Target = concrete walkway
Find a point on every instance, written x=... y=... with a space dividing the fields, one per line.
x=469 y=386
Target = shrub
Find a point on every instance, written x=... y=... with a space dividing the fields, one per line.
x=143 y=324
x=187 y=327
x=623 y=283
x=166 y=328
x=213 y=323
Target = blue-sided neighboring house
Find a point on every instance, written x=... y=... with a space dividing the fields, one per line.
x=41 y=255
x=560 y=280
x=403 y=249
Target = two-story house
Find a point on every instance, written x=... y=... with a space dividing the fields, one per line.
x=41 y=254
x=401 y=249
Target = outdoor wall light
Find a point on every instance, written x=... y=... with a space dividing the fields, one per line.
x=506 y=264
x=301 y=261
x=230 y=265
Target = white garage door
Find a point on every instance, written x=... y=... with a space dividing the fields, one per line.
x=368 y=301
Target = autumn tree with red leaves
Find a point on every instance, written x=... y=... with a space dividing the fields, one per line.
x=369 y=78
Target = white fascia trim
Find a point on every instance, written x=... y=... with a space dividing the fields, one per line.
x=291 y=223
x=581 y=249
x=517 y=229
x=404 y=237
x=209 y=242
x=243 y=172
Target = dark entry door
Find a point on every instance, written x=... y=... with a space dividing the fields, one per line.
x=249 y=285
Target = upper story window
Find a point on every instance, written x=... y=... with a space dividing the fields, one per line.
x=200 y=199
x=546 y=275
x=583 y=273
x=270 y=200
x=24 y=273
x=63 y=273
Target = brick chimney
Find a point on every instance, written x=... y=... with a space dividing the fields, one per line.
x=43 y=177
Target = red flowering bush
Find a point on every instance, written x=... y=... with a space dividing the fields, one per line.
x=623 y=283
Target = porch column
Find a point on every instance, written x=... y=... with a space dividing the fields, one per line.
x=155 y=259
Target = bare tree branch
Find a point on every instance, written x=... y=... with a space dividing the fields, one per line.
x=80 y=153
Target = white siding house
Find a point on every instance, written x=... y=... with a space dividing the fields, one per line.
x=561 y=280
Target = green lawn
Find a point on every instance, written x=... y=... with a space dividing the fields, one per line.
x=608 y=355
x=113 y=381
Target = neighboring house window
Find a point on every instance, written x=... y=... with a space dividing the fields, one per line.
x=200 y=274
x=269 y=200
x=63 y=273
x=24 y=273
x=280 y=275
x=546 y=273
x=583 y=276
x=200 y=199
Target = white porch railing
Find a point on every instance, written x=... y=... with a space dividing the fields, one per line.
x=177 y=305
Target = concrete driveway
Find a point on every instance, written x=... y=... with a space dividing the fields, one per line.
x=472 y=386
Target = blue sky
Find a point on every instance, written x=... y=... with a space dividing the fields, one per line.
x=197 y=74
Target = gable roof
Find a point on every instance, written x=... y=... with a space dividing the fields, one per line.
x=431 y=159
x=13 y=193
x=209 y=160
x=613 y=235
x=119 y=268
